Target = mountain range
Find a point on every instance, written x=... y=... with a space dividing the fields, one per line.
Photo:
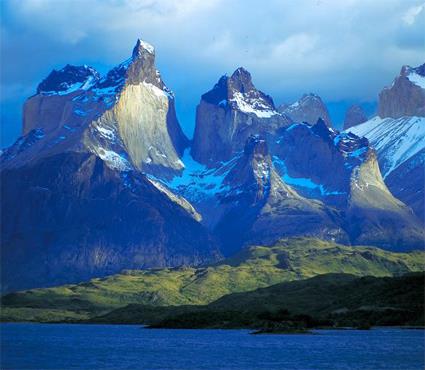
x=104 y=179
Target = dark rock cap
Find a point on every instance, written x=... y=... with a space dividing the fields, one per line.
x=69 y=75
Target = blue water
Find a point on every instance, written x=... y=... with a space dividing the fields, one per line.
x=57 y=346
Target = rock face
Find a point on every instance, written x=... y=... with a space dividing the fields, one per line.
x=228 y=114
x=407 y=183
x=398 y=135
x=130 y=110
x=305 y=156
x=399 y=144
x=77 y=218
x=260 y=208
x=85 y=207
x=354 y=116
x=103 y=179
x=308 y=109
x=406 y=96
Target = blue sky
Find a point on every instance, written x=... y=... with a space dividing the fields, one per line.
x=345 y=51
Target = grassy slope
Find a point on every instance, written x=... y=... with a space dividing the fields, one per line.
x=344 y=299
x=255 y=267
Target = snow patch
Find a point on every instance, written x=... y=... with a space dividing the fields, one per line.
x=197 y=181
x=417 y=79
x=107 y=133
x=148 y=47
x=302 y=182
x=395 y=140
x=113 y=159
x=256 y=106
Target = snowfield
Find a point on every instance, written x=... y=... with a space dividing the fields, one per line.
x=395 y=140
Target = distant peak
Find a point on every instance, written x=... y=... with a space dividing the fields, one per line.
x=141 y=48
x=241 y=72
x=406 y=70
x=310 y=96
x=241 y=81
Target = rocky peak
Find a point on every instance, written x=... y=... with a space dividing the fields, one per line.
x=135 y=70
x=309 y=108
x=142 y=68
x=241 y=81
x=323 y=130
x=68 y=79
x=142 y=48
x=229 y=114
x=239 y=93
x=354 y=116
x=406 y=95
x=126 y=117
x=409 y=72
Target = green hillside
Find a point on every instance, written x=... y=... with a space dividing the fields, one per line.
x=331 y=299
x=252 y=268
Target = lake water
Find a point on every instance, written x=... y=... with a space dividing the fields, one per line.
x=58 y=346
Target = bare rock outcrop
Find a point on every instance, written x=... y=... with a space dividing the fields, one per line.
x=228 y=114
x=406 y=95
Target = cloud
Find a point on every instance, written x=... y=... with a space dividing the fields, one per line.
x=412 y=13
x=343 y=50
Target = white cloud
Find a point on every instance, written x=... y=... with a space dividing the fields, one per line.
x=340 y=49
x=412 y=13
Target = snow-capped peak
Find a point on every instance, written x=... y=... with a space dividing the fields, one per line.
x=396 y=140
x=416 y=75
x=253 y=104
x=141 y=47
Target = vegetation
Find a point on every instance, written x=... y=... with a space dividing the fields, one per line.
x=328 y=300
x=252 y=268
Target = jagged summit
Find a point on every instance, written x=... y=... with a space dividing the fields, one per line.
x=405 y=96
x=228 y=114
x=414 y=74
x=79 y=173
x=241 y=81
x=127 y=117
x=309 y=108
x=238 y=92
x=141 y=48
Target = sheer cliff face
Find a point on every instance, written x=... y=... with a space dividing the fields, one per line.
x=308 y=109
x=341 y=170
x=306 y=156
x=85 y=207
x=228 y=114
x=398 y=135
x=258 y=207
x=406 y=96
x=78 y=218
x=411 y=192
x=375 y=216
x=129 y=113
